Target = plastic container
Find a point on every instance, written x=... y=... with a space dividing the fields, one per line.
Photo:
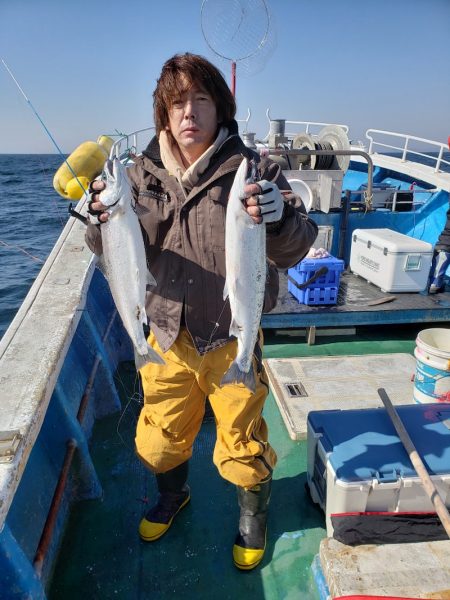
x=392 y=261
x=324 y=289
x=432 y=378
x=357 y=463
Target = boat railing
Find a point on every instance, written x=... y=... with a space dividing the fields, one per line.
x=309 y=127
x=308 y=124
x=404 y=147
x=128 y=144
x=243 y=123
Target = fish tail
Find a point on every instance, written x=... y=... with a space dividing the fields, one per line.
x=236 y=375
x=151 y=356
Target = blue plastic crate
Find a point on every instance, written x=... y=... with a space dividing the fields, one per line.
x=324 y=289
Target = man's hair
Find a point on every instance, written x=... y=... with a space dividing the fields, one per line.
x=178 y=74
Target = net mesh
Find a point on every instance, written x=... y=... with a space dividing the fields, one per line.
x=239 y=31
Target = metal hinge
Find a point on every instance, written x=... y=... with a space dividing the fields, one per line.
x=9 y=442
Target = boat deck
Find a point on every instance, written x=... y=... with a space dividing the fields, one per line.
x=359 y=303
x=102 y=555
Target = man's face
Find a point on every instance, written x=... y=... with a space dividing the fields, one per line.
x=193 y=122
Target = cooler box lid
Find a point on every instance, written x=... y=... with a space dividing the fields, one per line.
x=391 y=240
x=363 y=444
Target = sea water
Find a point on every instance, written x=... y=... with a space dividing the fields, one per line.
x=32 y=215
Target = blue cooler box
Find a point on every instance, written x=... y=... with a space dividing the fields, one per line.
x=357 y=462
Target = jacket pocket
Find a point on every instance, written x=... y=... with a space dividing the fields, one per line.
x=156 y=210
x=217 y=204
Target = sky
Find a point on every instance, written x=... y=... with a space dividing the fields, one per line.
x=89 y=67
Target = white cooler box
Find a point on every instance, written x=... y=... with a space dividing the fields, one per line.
x=393 y=261
x=357 y=463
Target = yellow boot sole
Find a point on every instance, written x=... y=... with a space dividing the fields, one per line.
x=149 y=531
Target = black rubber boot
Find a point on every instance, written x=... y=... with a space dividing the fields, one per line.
x=250 y=544
x=173 y=495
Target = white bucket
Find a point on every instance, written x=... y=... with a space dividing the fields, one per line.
x=432 y=378
x=303 y=190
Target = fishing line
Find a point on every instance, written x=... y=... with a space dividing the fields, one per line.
x=134 y=397
x=53 y=196
x=131 y=392
x=82 y=187
x=176 y=425
x=35 y=258
x=183 y=407
x=43 y=124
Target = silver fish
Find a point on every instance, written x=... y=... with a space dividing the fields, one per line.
x=125 y=260
x=245 y=259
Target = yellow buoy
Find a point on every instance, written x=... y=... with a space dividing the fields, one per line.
x=75 y=188
x=86 y=162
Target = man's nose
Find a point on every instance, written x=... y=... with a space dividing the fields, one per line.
x=189 y=110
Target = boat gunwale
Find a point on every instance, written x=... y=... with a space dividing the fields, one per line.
x=28 y=397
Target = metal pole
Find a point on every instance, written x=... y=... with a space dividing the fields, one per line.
x=417 y=462
x=49 y=526
x=233 y=78
x=52 y=515
x=343 y=225
x=301 y=152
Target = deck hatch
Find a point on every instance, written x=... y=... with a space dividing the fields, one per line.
x=9 y=442
x=300 y=385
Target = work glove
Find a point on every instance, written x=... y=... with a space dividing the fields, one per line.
x=270 y=202
x=94 y=207
x=264 y=203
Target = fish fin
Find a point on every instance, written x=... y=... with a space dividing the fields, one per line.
x=101 y=266
x=152 y=356
x=109 y=171
x=144 y=317
x=150 y=279
x=235 y=375
x=225 y=290
x=108 y=176
x=235 y=328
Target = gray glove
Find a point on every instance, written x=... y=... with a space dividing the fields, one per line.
x=270 y=201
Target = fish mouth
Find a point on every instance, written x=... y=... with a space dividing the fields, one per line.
x=109 y=166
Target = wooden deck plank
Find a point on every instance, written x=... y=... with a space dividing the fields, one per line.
x=420 y=570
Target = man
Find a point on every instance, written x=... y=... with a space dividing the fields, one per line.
x=441 y=259
x=441 y=256
x=181 y=184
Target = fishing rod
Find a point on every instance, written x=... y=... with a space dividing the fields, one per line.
x=46 y=131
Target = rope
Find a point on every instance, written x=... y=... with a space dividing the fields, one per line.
x=324 y=162
x=37 y=259
x=368 y=201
